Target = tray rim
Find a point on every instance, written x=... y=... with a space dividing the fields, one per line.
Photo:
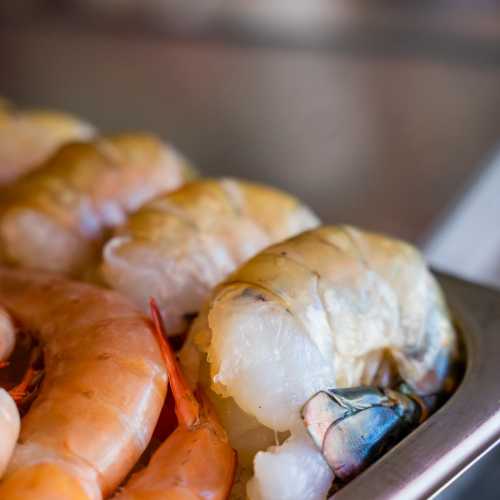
x=409 y=470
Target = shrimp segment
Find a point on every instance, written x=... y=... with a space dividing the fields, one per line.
x=101 y=395
x=196 y=461
x=9 y=416
x=56 y=217
x=29 y=137
x=180 y=245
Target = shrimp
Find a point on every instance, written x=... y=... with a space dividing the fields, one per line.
x=55 y=218
x=196 y=461
x=103 y=388
x=7 y=335
x=180 y=245
x=330 y=309
x=9 y=416
x=9 y=428
x=27 y=138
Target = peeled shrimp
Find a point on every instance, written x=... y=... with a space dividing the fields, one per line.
x=55 y=218
x=103 y=388
x=332 y=307
x=180 y=245
x=7 y=335
x=27 y=138
x=9 y=416
x=196 y=461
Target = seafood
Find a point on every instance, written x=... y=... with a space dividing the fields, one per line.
x=196 y=460
x=7 y=335
x=55 y=217
x=27 y=138
x=9 y=428
x=9 y=416
x=103 y=388
x=330 y=309
x=178 y=246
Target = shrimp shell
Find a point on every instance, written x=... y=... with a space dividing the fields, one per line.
x=178 y=246
x=102 y=392
x=27 y=138
x=55 y=217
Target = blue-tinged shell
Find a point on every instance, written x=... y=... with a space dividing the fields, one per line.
x=354 y=426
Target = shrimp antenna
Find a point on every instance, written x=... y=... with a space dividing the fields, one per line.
x=187 y=407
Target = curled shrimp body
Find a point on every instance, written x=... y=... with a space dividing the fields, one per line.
x=9 y=416
x=27 y=138
x=56 y=217
x=196 y=461
x=332 y=308
x=103 y=388
x=180 y=245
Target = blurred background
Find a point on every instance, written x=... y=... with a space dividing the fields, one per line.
x=384 y=115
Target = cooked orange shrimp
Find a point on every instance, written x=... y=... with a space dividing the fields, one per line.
x=196 y=461
x=55 y=218
x=9 y=416
x=27 y=138
x=103 y=388
x=180 y=245
x=306 y=322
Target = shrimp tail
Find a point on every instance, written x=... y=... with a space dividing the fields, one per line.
x=187 y=408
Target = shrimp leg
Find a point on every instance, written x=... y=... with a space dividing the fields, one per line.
x=196 y=461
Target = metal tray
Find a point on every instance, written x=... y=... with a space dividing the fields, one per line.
x=464 y=428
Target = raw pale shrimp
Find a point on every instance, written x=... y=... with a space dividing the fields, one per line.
x=27 y=138
x=103 y=388
x=196 y=461
x=9 y=416
x=334 y=308
x=180 y=245
x=55 y=217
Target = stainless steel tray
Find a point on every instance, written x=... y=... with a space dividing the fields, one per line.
x=461 y=431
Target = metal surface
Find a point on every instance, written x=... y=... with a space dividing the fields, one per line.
x=464 y=428
x=467 y=240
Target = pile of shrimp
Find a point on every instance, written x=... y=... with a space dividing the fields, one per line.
x=113 y=250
